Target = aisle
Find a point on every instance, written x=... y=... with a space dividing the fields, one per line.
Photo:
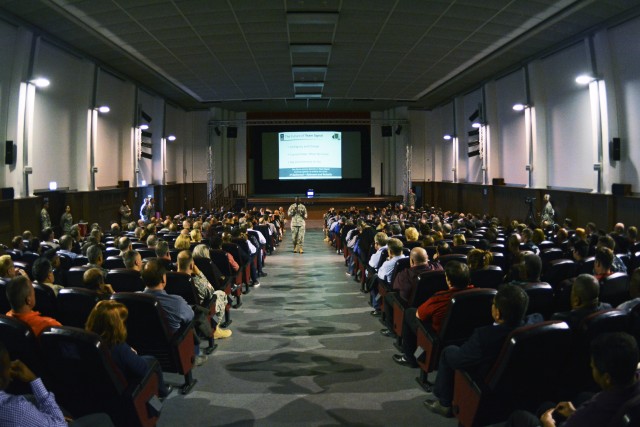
x=304 y=352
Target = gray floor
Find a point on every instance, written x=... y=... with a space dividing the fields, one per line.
x=304 y=352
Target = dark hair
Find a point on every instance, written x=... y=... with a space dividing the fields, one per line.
x=18 y=290
x=607 y=241
x=162 y=248
x=94 y=253
x=443 y=248
x=532 y=267
x=458 y=274
x=129 y=258
x=582 y=248
x=587 y=288
x=512 y=301
x=615 y=353
x=153 y=273
x=605 y=257
x=41 y=269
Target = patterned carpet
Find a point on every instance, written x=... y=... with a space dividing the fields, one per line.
x=304 y=352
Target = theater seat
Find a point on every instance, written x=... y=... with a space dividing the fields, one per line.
x=528 y=357
x=74 y=276
x=85 y=380
x=489 y=277
x=540 y=298
x=75 y=305
x=148 y=333
x=125 y=280
x=558 y=270
x=21 y=343
x=468 y=310
x=444 y=259
x=46 y=301
x=614 y=289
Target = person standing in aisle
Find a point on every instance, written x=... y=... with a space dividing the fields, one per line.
x=298 y=213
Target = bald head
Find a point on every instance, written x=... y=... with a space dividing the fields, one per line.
x=418 y=256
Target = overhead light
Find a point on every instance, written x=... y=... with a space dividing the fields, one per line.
x=104 y=109
x=476 y=125
x=584 y=79
x=171 y=138
x=308 y=85
x=313 y=18
x=310 y=48
x=41 y=82
x=519 y=107
x=144 y=126
x=307 y=95
x=447 y=137
x=309 y=68
x=53 y=185
x=144 y=183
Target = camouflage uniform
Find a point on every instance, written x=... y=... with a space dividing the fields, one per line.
x=298 y=214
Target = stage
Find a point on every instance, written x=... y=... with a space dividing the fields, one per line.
x=320 y=203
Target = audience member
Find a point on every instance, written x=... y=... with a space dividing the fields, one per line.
x=22 y=298
x=585 y=300
x=94 y=279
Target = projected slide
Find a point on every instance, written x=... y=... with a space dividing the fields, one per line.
x=310 y=155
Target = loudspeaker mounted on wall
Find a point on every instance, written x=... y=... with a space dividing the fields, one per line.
x=123 y=184
x=497 y=181
x=9 y=153
x=232 y=132
x=7 y=193
x=398 y=130
x=615 y=149
x=621 y=189
x=387 y=131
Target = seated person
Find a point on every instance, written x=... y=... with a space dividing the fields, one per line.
x=380 y=245
x=614 y=360
x=528 y=271
x=216 y=245
x=107 y=319
x=22 y=298
x=124 y=244
x=405 y=282
x=618 y=266
x=482 y=348
x=132 y=260
x=394 y=247
x=477 y=259
x=634 y=292
x=178 y=312
x=43 y=274
x=528 y=244
x=40 y=408
x=602 y=266
x=580 y=252
x=94 y=255
x=163 y=255
x=8 y=270
x=66 y=246
x=584 y=299
x=94 y=279
x=432 y=312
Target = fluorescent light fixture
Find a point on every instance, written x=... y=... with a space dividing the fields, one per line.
x=171 y=138
x=144 y=126
x=309 y=68
x=41 y=82
x=447 y=137
x=313 y=18
x=584 y=79
x=310 y=48
x=476 y=125
x=53 y=185
x=307 y=95
x=519 y=107
x=308 y=85
x=144 y=183
x=104 y=109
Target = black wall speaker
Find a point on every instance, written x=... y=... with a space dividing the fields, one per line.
x=387 y=131
x=615 y=149
x=123 y=184
x=7 y=193
x=497 y=181
x=232 y=132
x=621 y=189
x=8 y=153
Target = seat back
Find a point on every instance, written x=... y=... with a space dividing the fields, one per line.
x=4 y=301
x=181 y=284
x=75 y=304
x=148 y=332
x=210 y=270
x=546 y=244
x=587 y=265
x=540 y=298
x=74 y=276
x=614 y=289
x=428 y=284
x=558 y=270
x=489 y=277
x=444 y=259
x=468 y=310
x=46 y=302
x=146 y=252
x=530 y=355
x=219 y=258
x=548 y=255
x=401 y=264
x=499 y=260
x=21 y=343
x=113 y=262
x=462 y=249
x=125 y=280
x=83 y=376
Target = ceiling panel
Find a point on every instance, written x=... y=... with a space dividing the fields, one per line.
x=389 y=51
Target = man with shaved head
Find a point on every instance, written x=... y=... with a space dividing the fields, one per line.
x=404 y=284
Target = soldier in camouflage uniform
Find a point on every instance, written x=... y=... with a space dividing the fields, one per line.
x=298 y=213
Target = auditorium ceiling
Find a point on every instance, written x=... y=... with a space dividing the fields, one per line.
x=318 y=55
